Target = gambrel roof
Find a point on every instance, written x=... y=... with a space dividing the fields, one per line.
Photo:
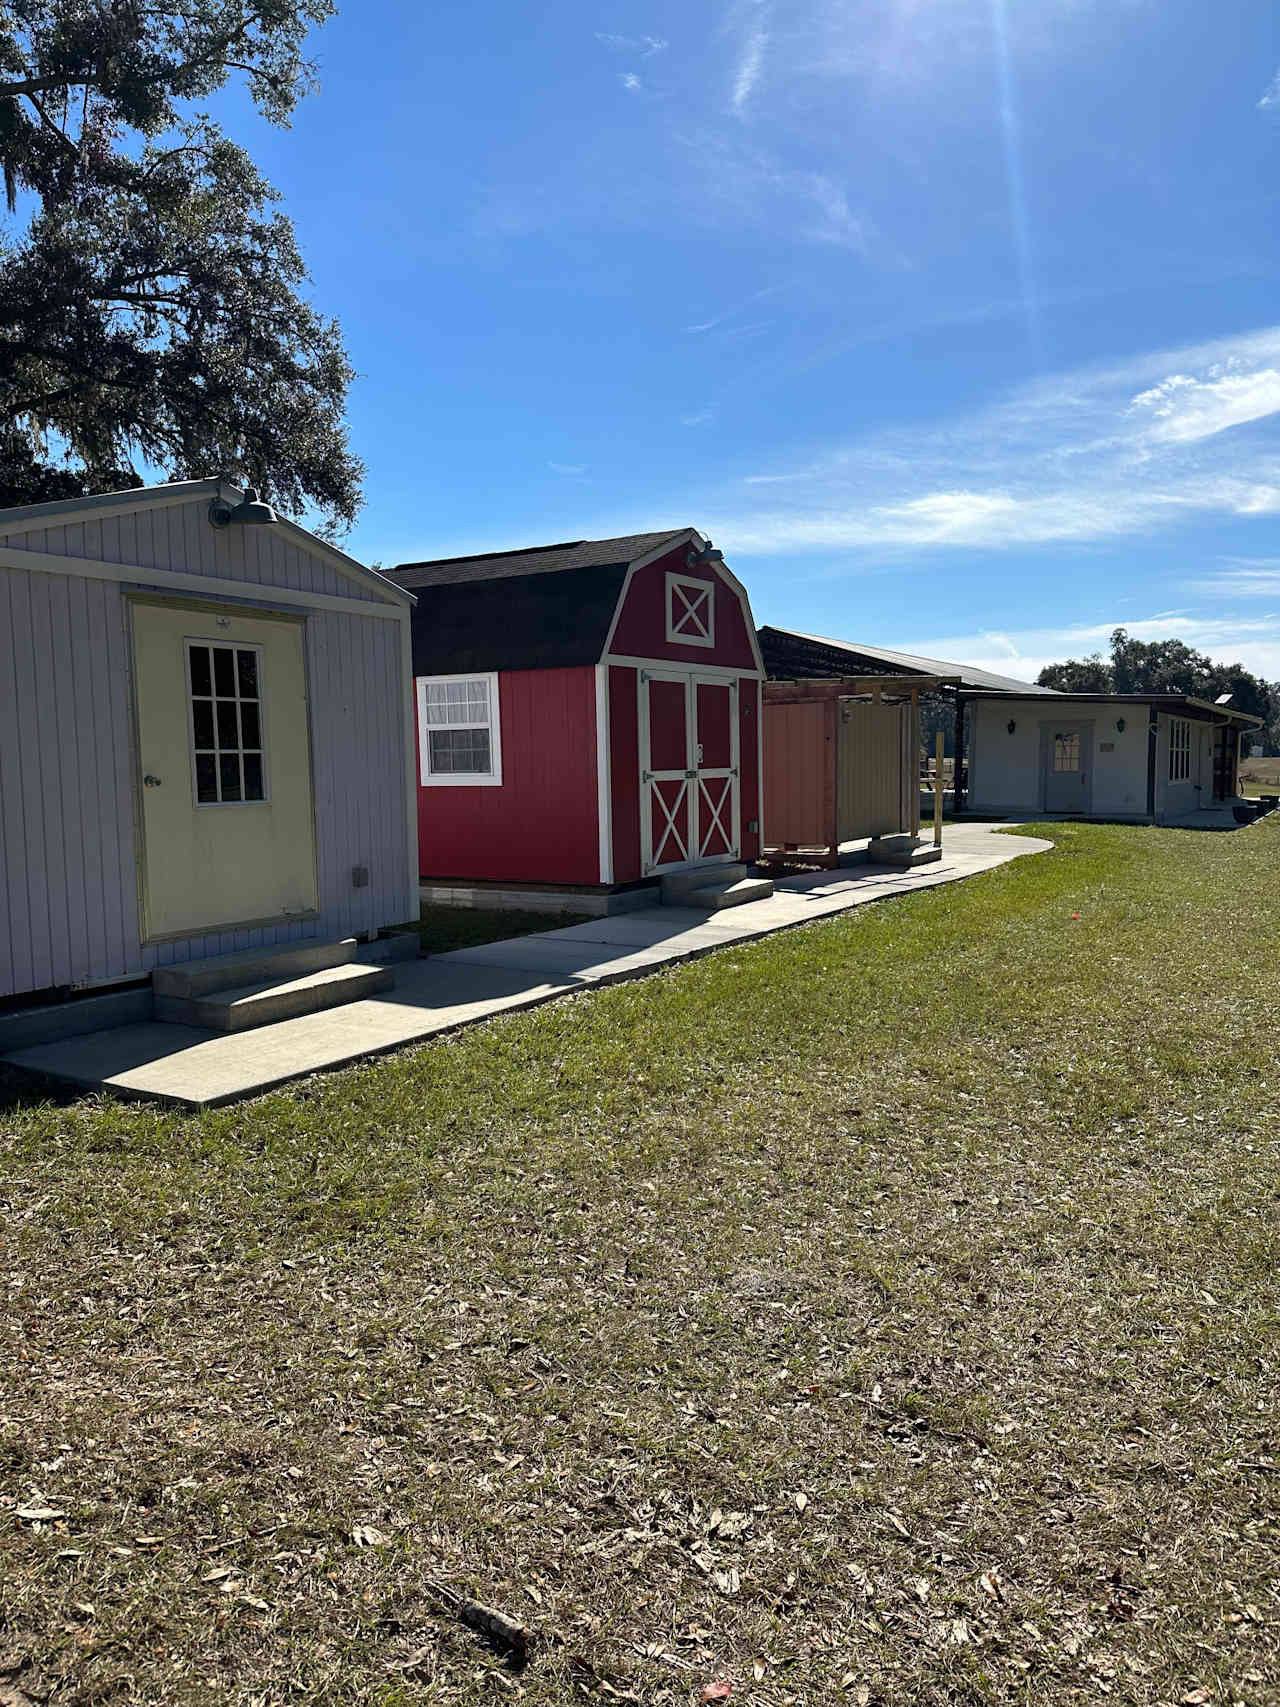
x=547 y=607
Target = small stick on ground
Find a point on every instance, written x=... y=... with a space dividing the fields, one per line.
x=503 y=1632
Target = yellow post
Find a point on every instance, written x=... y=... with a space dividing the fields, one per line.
x=937 y=792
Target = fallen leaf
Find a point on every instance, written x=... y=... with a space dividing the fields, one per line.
x=990 y=1583
x=365 y=1535
x=39 y=1513
x=1196 y=1697
x=757 y=1669
x=718 y=1690
x=802 y=1501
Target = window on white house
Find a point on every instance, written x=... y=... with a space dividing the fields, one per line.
x=691 y=611
x=1179 y=749
x=459 y=732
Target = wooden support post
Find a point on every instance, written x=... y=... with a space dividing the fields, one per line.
x=937 y=790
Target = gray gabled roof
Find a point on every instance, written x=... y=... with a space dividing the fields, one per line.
x=787 y=647
x=534 y=560
x=23 y=517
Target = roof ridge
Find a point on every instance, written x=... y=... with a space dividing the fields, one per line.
x=537 y=550
x=491 y=556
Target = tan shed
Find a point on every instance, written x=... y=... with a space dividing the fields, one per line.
x=842 y=763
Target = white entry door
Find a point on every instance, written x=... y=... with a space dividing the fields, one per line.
x=689 y=781
x=224 y=761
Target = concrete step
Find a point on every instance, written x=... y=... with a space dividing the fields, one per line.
x=194 y=978
x=711 y=897
x=678 y=883
x=901 y=851
x=264 y=1003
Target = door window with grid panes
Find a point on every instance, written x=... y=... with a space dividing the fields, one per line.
x=227 y=751
x=459 y=730
x=1066 y=751
x=1179 y=749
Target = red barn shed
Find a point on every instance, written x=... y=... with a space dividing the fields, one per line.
x=588 y=713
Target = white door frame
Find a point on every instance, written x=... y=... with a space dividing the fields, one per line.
x=691 y=776
x=732 y=773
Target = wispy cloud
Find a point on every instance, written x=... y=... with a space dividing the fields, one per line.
x=572 y=470
x=1271 y=96
x=750 y=66
x=1102 y=453
x=1248 y=577
x=645 y=46
x=1023 y=653
x=1184 y=409
x=629 y=80
x=699 y=418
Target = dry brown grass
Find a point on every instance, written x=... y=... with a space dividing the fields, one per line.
x=884 y=1312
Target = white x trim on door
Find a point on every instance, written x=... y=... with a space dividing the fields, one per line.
x=674 y=832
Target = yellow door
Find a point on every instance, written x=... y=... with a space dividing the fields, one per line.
x=225 y=765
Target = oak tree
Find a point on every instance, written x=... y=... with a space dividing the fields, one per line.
x=152 y=294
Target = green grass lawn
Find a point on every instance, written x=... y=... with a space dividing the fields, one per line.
x=884 y=1312
x=441 y=929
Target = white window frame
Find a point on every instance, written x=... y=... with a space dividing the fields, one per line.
x=454 y=779
x=1179 y=749
x=221 y=644
x=675 y=581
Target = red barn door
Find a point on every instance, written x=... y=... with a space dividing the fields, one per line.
x=689 y=770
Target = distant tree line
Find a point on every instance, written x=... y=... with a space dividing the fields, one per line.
x=1169 y=666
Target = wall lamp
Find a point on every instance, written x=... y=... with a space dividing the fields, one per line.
x=1011 y=725
x=1120 y=724
x=251 y=511
x=695 y=559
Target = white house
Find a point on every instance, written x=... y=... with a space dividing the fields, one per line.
x=1149 y=758
x=206 y=739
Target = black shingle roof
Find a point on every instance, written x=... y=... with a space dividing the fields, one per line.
x=536 y=560
x=549 y=607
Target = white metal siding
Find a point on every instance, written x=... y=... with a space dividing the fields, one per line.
x=68 y=886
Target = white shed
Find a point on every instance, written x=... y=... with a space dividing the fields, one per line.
x=1148 y=758
x=206 y=738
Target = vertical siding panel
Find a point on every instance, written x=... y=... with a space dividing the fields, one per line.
x=48 y=917
x=128 y=850
x=72 y=712
x=19 y=972
x=97 y=783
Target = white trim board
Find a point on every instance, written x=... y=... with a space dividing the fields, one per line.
x=135 y=575
x=661 y=666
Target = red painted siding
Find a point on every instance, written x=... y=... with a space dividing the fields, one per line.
x=642 y=623
x=624 y=772
x=749 y=762
x=542 y=824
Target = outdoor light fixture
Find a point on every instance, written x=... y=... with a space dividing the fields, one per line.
x=251 y=511
x=1011 y=726
x=700 y=559
x=1120 y=724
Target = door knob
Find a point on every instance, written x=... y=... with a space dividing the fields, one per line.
x=150 y=781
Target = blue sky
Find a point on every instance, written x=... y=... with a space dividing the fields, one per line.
x=956 y=323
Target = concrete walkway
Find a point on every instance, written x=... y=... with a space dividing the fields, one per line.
x=179 y=1064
